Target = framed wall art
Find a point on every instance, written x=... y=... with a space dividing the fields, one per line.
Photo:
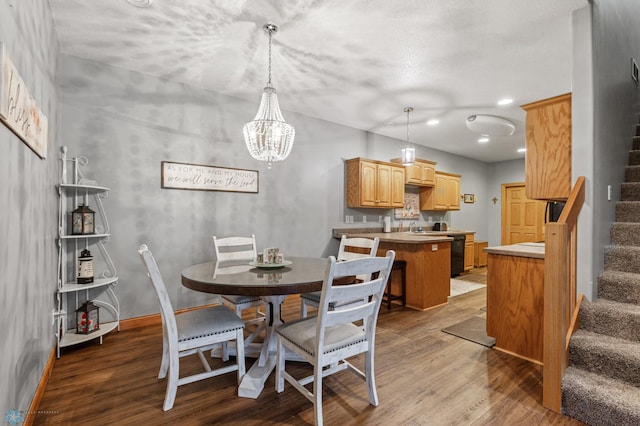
x=207 y=178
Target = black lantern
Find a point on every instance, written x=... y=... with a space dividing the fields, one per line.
x=87 y=318
x=82 y=220
x=85 y=267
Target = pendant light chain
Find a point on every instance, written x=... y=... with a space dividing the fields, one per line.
x=270 y=33
x=408 y=111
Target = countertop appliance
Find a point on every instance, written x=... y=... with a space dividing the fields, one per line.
x=440 y=226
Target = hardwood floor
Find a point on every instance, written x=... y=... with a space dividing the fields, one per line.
x=424 y=377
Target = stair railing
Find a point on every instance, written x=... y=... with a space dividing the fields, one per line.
x=561 y=302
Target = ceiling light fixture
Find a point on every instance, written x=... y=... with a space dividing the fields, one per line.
x=483 y=140
x=140 y=3
x=433 y=122
x=408 y=153
x=490 y=125
x=268 y=137
x=505 y=101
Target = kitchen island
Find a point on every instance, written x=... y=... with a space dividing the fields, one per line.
x=515 y=299
x=428 y=257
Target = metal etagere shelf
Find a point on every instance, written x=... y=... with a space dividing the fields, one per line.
x=74 y=189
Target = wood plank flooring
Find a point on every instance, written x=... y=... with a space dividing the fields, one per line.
x=424 y=377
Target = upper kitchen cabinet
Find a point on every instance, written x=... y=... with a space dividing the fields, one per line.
x=445 y=195
x=548 y=158
x=374 y=184
x=421 y=173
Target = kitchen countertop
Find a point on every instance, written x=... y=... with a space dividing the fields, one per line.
x=535 y=250
x=397 y=237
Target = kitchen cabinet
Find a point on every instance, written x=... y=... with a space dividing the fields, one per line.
x=421 y=173
x=445 y=195
x=479 y=255
x=515 y=300
x=468 y=252
x=72 y=291
x=548 y=142
x=374 y=184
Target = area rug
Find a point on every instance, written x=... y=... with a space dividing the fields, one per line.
x=473 y=329
x=459 y=287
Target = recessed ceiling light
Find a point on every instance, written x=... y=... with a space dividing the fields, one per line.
x=505 y=101
x=140 y=3
x=483 y=140
x=433 y=122
x=522 y=149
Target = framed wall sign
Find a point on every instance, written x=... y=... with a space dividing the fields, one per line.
x=18 y=109
x=207 y=178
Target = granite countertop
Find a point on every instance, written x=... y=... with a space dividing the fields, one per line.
x=396 y=237
x=535 y=250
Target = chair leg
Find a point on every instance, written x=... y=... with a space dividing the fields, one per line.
x=164 y=364
x=303 y=308
x=225 y=351
x=280 y=367
x=370 y=377
x=317 y=393
x=240 y=354
x=172 y=382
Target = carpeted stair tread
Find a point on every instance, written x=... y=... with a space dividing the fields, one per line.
x=636 y=143
x=626 y=233
x=628 y=211
x=615 y=319
x=632 y=174
x=630 y=191
x=599 y=400
x=616 y=286
x=634 y=157
x=605 y=355
x=622 y=258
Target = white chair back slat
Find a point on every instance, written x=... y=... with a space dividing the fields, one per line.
x=235 y=248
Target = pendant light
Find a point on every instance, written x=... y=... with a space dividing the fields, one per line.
x=408 y=153
x=268 y=137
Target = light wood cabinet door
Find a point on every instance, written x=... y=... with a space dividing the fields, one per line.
x=469 y=252
x=421 y=173
x=374 y=184
x=428 y=173
x=445 y=195
x=548 y=142
x=397 y=187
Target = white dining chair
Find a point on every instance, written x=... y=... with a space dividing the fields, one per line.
x=240 y=249
x=191 y=333
x=328 y=339
x=366 y=247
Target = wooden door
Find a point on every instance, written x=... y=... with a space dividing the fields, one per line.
x=522 y=218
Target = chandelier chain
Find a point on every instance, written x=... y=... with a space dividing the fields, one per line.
x=270 y=36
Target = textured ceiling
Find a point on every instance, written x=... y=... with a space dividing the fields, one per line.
x=353 y=62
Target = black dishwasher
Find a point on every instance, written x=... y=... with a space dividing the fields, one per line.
x=457 y=255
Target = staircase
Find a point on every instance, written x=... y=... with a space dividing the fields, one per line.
x=601 y=386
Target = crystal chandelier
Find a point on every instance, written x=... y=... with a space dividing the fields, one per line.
x=268 y=137
x=408 y=153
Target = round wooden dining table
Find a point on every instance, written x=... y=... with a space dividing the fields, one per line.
x=302 y=275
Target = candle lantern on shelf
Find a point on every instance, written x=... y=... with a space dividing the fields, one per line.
x=85 y=267
x=87 y=318
x=82 y=220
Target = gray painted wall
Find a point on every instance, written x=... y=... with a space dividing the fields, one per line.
x=28 y=211
x=499 y=173
x=126 y=123
x=616 y=39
